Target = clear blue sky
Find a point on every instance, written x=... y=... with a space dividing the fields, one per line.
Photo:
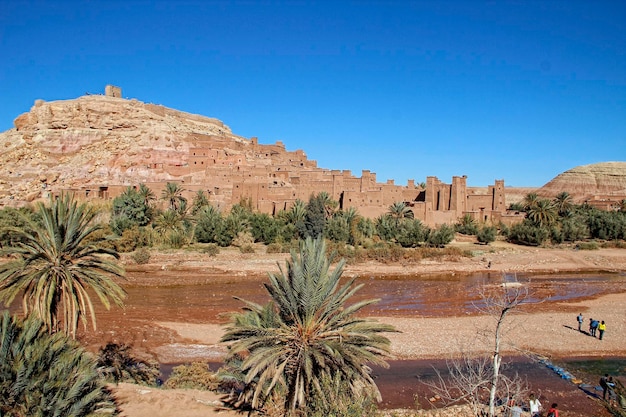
x=513 y=90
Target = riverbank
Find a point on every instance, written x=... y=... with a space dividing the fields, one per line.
x=547 y=328
x=498 y=257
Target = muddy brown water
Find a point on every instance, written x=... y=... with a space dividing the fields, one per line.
x=405 y=296
x=405 y=381
x=432 y=296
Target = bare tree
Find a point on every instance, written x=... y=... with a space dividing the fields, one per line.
x=476 y=380
x=498 y=303
x=468 y=380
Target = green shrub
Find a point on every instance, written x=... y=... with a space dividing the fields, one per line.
x=116 y=364
x=467 y=225
x=176 y=239
x=211 y=249
x=246 y=249
x=48 y=375
x=243 y=239
x=527 y=233
x=141 y=256
x=588 y=245
x=383 y=252
x=339 y=400
x=196 y=375
x=337 y=229
x=441 y=236
x=274 y=248
x=131 y=239
x=487 y=234
x=618 y=244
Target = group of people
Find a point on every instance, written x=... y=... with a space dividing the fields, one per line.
x=596 y=327
x=535 y=408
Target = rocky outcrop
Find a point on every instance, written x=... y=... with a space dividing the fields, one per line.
x=97 y=140
x=586 y=181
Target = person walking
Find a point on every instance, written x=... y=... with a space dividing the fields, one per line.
x=611 y=388
x=553 y=411
x=580 y=322
x=604 y=384
x=601 y=329
x=534 y=406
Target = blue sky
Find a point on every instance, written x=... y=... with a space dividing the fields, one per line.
x=513 y=90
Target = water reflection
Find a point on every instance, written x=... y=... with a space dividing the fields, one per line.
x=432 y=296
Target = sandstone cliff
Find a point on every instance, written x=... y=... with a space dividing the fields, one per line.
x=586 y=181
x=97 y=140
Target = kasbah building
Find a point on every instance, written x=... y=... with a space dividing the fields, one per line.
x=271 y=178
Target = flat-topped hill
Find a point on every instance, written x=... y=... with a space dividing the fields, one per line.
x=585 y=182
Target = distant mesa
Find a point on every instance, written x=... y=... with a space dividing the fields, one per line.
x=97 y=145
x=600 y=184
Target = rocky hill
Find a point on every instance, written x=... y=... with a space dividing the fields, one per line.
x=97 y=140
x=603 y=179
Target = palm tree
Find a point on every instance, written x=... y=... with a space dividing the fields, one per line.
x=169 y=222
x=305 y=334
x=329 y=204
x=352 y=217
x=297 y=213
x=563 y=203
x=530 y=200
x=47 y=375
x=200 y=200
x=147 y=195
x=59 y=265
x=399 y=210
x=542 y=213
x=173 y=195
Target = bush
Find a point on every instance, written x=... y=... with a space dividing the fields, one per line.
x=467 y=226
x=246 y=249
x=339 y=400
x=618 y=244
x=176 y=239
x=383 y=252
x=527 y=233
x=47 y=375
x=211 y=249
x=116 y=365
x=337 y=229
x=141 y=256
x=486 y=235
x=132 y=238
x=196 y=375
x=441 y=236
x=243 y=239
x=588 y=246
x=264 y=228
x=275 y=248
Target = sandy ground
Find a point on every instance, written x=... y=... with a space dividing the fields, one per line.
x=548 y=329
